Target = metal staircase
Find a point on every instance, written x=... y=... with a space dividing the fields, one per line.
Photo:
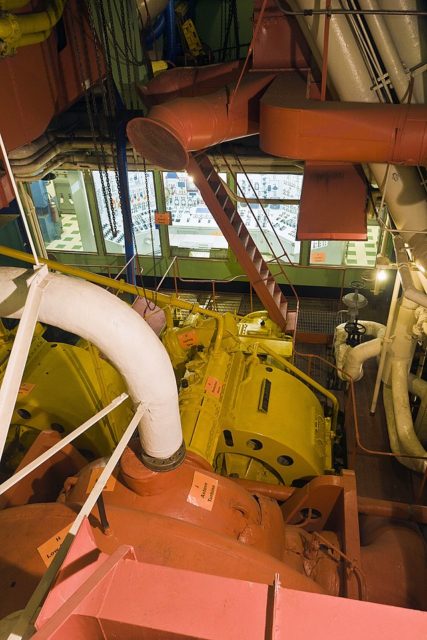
x=224 y=211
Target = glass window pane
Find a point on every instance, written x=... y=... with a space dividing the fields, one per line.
x=142 y=206
x=63 y=212
x=364 y=254
x=273 y=226
x=330 y=252
x=193 y=226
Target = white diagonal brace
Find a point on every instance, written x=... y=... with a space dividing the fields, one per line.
x=18 y=356
x=22 y=473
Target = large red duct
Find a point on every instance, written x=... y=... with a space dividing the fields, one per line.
x=188 y=124
x=289 y=125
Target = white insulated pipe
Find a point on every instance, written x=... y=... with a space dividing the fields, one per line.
x=408 y=33
x=405 y=196
x=399 y=76
x=121 y=335
x=418 y=387
x=351 y=359
x=396 y=446
x=406 y=435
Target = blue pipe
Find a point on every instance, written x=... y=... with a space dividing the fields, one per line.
x=156 y=32
x=122 y=170
x=170 y=28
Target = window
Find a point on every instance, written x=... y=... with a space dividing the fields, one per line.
x=63 y=212
x=272 y=226
x=193 y=226
x=351 y=253
x=143 y=207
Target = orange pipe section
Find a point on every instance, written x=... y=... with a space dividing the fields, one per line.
x=189 y=82
x=292 y=126
x=190 y=124
x=367 y=506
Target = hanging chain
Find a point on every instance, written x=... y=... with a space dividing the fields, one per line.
x=92 y=113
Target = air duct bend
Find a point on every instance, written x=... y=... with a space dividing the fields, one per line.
x=350 y=359
x=174 y=128
x=124 y=338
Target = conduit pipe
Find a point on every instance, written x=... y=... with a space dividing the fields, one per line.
x=124 y=338
x=189 y=124
x=405 y=196
x=406 y=273
x=349 y=360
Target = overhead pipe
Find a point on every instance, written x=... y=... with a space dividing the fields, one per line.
x=127 y=342
x=189 y=82
x=409 y=35
x=29 y=28
x=182 y=125
x=350 y=360
x=12 y=5
x=405 y=196
x=387 y=49
x=341 y=131
x=407 y=273
x=171 y=50
x=150 y=9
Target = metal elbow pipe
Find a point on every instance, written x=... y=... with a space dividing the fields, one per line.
x=189 y=82
x=350 y=359
x=172 y=130
x=127 y=342
x=407 y=438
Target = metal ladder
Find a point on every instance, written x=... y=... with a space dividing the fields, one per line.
x=225 y=213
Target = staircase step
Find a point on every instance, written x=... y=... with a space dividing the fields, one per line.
x=224 y=211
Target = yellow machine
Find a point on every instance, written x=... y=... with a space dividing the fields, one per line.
x=63 y=386
x=244 y=407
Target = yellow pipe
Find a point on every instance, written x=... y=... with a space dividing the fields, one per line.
x=11 y=5
x=303 y=376
x=43 y=20
x=33 y=38
x=160 y=299
x=15 y=29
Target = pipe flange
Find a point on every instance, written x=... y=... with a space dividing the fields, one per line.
x=164 y=464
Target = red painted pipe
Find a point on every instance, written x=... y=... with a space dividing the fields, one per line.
x=367 y=506
x=289 y=124
x=292 y=126
x=189 y=124
x=189 y=82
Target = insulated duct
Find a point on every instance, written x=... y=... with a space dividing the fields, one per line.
x=341 y=131
x=189 y=124
x=127 y=342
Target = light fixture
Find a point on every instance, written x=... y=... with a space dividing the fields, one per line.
x=381 y=275
x=61 y=199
